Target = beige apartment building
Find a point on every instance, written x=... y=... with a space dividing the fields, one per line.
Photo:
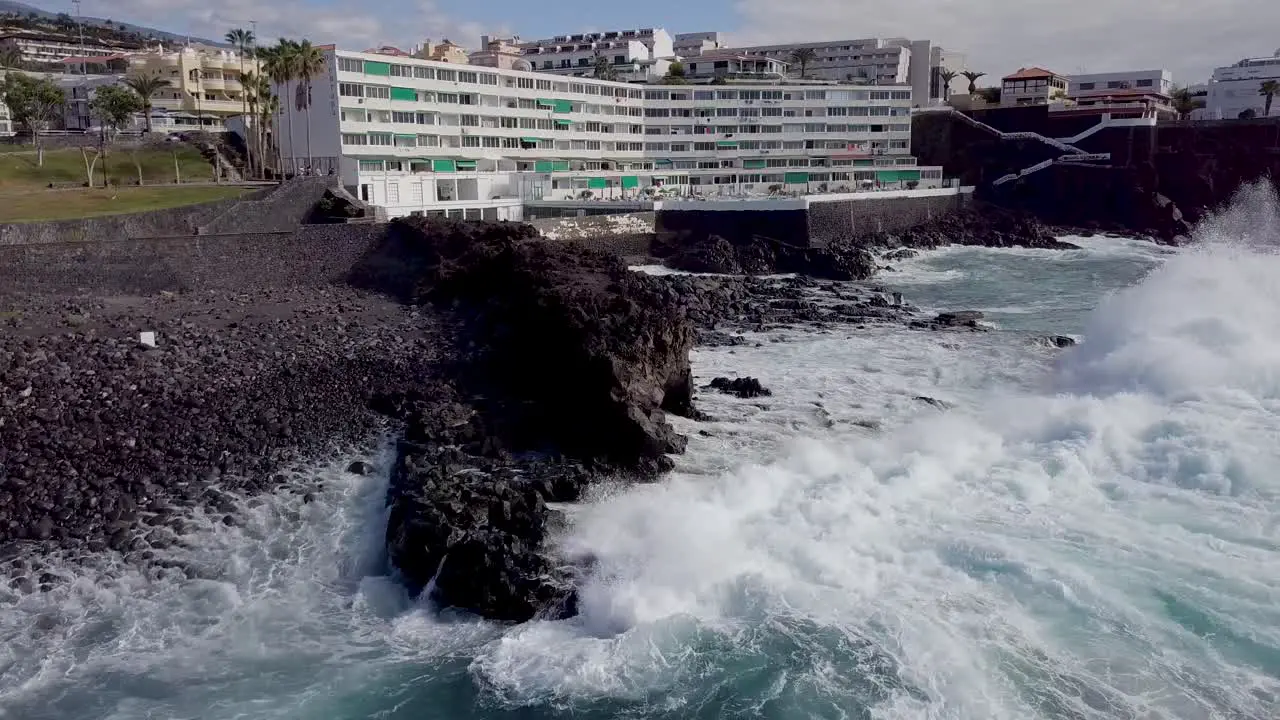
x=204 y=84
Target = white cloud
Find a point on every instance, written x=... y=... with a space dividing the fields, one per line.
x=1189 y=37
x=355 y=27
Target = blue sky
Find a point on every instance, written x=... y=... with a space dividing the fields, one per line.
x=1189 y=37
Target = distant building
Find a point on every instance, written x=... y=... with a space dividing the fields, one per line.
x=46 y=49
x=731 y=65
x=874 y=61
x=694 y=44
x=1158 y=81
x=444 y=52
x=1234 y=89
x=626 y=50
x=1033 y=86
x=501 y=53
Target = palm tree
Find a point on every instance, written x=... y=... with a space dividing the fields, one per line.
x=802 y=57
x=268 y=107
x=947 y=76
x=973 y=79
x=146 y=86
x=1184 y=102
x=280 y=67
x=308 y=63
x=1269 y=89
x=242 y=40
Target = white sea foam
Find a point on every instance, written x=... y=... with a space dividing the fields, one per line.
x=1103 y=547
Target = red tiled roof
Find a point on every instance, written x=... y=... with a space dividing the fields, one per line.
x=1031 y=73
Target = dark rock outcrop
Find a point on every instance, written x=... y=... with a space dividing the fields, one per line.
x=746 y=387
x=566 y=362
x=760 y=255
x=988 y=226
x=960 y=319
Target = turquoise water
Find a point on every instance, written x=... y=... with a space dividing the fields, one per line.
x=1089 y=533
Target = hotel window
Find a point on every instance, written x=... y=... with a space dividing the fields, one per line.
x=469 y=121
x=879 y=95
x=357 y=115
x=447 y=75
x=468 y=77
x=726 y=112
x=704 y=95
x=424 y=73
x=407 y=141
x=350 y=90
x=426 y=118
x=401 y=71
x=383 y=139
x=354 y=139
x=381 y=92
x=404 y=117
x=447 y=98
x=492 y=142
x=726 y=94
x=1141 y=83
x=428 y=141
x=488 y=79
x=543 y=85
x=471 y=141
x=350 y=65
x=900 y=95
x=371 y=165
x=525 y=83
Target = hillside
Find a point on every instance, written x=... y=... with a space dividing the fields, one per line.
x=111 y=29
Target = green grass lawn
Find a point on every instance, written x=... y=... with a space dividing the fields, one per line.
x=18 y=169
x=28 y=205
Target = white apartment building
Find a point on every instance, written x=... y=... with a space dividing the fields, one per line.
x=1155 y=81
x=626 y=50
x=879 y=61
x=1234 y=88
x=44 y=48
x=417 y=136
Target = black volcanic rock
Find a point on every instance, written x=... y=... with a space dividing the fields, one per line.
x=760 y=255
x=566 y=362
x=746 y=387
x=987 y=226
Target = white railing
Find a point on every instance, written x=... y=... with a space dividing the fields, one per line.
x=1064 y=160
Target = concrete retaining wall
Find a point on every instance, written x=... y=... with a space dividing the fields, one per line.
x=172 y=221
x=311 y=255
x=285 y=208
x=852 y=219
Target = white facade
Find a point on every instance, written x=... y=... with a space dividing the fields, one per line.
x=879 y=61
x=576 y=54
x=418 y=136
x=43 y=48
x=1234 y=89
x=1159 y=81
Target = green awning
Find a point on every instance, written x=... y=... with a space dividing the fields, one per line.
x=399 y=93
x=560 y=165
x=563 y=106
x=792 y=178
x=466 y=164
x=535 y=141
x=630 y=181
x=665 y=162
x=888 y=175
x=376 y=68
x=544 y=102
x=443 y=165
x=864 y=163
x=727 y=144
x=543 y=166
x=909 y=175
x=563 y=123
x=406 y=137
x=754 y=164
x=597 y=183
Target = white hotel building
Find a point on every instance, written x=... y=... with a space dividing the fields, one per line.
x=417 y=136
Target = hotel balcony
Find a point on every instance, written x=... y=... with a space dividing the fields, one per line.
x=213 y=83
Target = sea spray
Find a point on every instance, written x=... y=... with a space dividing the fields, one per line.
x=1102 y=546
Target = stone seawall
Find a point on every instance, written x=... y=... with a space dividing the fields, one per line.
x=808 y=222
x=629 y=235
x=310 y=256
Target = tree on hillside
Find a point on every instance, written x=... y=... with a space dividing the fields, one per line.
x=1268 y=90
x=1184 y=103
x=114 y=106
x=604 y=69
x=243 y=41
x=11 y=57
x=947 y=76
x=972 y=77
x=309 y=62
x=675 y=74
x=802 y=57
x=146 y=86
x=33 y=104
